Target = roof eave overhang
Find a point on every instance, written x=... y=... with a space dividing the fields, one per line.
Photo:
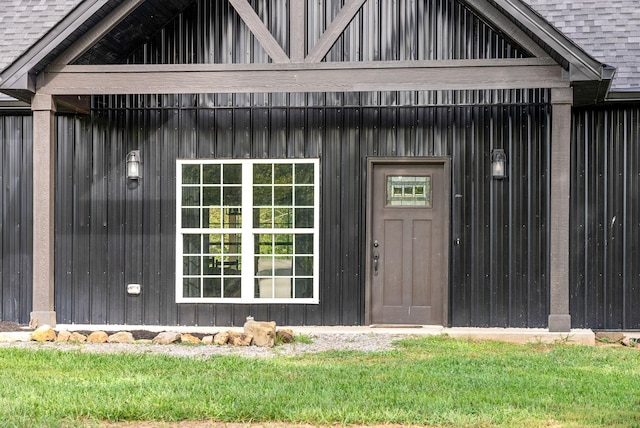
x=18 y=77
x=590 y=78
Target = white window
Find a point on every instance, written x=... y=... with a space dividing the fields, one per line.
x=247 y=231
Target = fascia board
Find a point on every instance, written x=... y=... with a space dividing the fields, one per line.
x=16 y=75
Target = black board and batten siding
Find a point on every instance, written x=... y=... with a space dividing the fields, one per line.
x=16 y=208
x=111 y=232
x=605 y=218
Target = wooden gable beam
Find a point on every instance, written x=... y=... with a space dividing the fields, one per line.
x=320 y=77
x=335 y=29
x=97 y=32
x=297 y=27
x=260 y=31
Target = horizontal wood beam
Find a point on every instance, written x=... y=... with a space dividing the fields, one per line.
x=320 y=77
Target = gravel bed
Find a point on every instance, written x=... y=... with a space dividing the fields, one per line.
x=368 y=342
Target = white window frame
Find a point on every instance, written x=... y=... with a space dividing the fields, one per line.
x=247 y=233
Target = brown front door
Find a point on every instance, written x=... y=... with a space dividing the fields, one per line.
x=408 y=247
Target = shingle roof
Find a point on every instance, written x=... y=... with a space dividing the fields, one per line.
x=23 y=22
x=608 y=30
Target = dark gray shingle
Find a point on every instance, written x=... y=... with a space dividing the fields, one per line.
x=608 y=30
x=24 y=22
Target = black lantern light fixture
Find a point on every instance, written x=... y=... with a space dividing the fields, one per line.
x=133 y=165
x=498 y=164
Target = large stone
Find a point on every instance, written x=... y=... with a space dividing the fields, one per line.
x=121 y=337
x=239 y=339
x=609 y=336
x=221 y=338
x=189 y=338
x=264 y=333
x=63 y=336
x=77 y=337
x=207 y=340
x=166 y=338
x=285 y=335
x=98 y=337
x=44 y=333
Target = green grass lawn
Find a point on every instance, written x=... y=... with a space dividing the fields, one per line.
x=436 y=381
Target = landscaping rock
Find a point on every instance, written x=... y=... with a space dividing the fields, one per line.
x=77 y=337
x=189 y=338
x=221 y=338
x=166 y=338
x=240 y=339
x=285 y=336
x=63 y=336
x=264 y=333
x=207 y=340
x=44 y=333
x=609 y=336
x=98 y=337
x=121 y=337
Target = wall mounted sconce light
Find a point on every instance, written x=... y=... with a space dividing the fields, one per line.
x=498 y=164
x=133 y=165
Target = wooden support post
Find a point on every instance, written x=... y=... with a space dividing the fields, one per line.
x=43 y=108
x=561 y=101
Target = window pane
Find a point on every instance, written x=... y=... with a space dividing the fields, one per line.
x=212 y=244
x=304 y=266
x=304 y=195
x=262 y=218
x=304 y=173
x=283 y=173
x=191 y=287
x=282 y=266
x=211 y=218
x=232 y=218
x=264 y=266
x=190 y=196
x=190 y=174
x=231 y=287
x=190 y=218
x=191 y=244
x=232 y=244
x=209 y=266
x=231 y=266
x=191 y=265
x=262 y=174
x=232 y=196
x=212 y=287
x=211 y=196
x=409 y=191
x=262 y=196
x=263 y=244
x=282 y=196
x=303 y=288
x=304 y=244
x=283 y=218
x=232 y=174
x=211 y=174
x=283 y=244
x=304 y=217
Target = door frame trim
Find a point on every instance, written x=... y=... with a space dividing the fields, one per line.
x=399 y=161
